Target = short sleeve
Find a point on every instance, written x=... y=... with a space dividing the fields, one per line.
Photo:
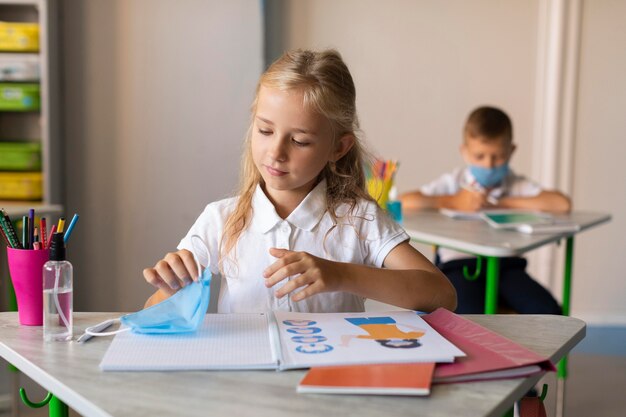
x=520 y=186
x=446 y=184
x=381 y=234
x=204 y=236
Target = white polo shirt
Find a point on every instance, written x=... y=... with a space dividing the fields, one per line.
x=451 y=183
x=365 y=238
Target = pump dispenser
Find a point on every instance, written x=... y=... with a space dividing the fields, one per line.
x=57 y=293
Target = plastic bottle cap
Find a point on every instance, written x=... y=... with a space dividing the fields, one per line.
x=57 y=247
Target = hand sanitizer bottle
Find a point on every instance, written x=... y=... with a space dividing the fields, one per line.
x=57 y=293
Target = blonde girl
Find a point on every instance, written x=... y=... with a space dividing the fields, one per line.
x=302 y=233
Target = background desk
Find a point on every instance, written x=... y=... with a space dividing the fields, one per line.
x=71 y=372
x=476 y=237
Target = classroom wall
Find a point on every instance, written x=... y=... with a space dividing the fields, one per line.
x=600 y=172
x=157 y=91
x=156 y=105
x=421 y=66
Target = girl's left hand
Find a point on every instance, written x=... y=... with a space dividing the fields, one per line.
x=316 y=275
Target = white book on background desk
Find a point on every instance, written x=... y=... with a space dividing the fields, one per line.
x=280 y=340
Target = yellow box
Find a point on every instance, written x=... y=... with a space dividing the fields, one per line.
x=21 y=185
x=379 y=190
x=19 y=37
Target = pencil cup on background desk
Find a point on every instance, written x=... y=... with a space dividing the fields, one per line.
x=25 y=268
x=380 y=179
x=394 y=206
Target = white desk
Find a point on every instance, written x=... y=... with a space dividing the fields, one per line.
x=476 y=237
x=71 y=372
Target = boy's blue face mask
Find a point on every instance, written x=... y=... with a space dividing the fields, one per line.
x=183 y=312
x=489 y=177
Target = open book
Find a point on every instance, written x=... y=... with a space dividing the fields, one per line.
x=283 y=340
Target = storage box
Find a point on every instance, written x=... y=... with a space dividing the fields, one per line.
x=19 y=67
x=19 y=37
x=20 y=156
x=21 y=185
x=19 y=97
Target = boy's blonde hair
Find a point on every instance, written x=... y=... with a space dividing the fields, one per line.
x=489 y=123
x=328 y=89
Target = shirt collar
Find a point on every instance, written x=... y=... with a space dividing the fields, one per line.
x=306 y=216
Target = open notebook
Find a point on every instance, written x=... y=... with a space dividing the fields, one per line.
x=283 y=340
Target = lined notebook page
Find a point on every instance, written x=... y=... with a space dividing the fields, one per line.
x=225 y=341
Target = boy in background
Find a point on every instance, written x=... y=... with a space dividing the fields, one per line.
x=487 y=182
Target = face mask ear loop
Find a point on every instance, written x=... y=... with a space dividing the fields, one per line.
x=208 y=255
x=94 y=330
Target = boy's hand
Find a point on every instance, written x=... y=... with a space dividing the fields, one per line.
x=469 y=200
x=314 y=274
x=173 y=272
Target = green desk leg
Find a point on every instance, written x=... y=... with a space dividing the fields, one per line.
x=567 y=288
x=491 y=294
x=56 y=407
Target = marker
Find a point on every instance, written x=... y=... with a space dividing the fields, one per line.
x=10 y=231
x=52 y=231
x=4 y=234
x=61 y=225
x=42 y=227
x=31 y=228
x=25 y=228
x=70 y=228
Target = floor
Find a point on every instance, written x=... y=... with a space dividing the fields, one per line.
x=595 y=387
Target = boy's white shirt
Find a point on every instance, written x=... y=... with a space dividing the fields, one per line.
x=367 y=241
x=450 y=183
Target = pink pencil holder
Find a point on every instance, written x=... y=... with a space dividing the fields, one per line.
x=25 y=267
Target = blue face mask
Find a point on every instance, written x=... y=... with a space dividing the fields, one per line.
x=183 y=312
x=489 y=177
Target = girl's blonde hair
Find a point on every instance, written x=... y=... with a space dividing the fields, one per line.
x=328 y=89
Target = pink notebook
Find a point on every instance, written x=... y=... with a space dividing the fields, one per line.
x=489 y=355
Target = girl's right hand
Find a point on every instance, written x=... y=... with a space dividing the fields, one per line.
x=173 y=272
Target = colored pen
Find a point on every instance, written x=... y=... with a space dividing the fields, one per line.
x=4 y=234
x=53 y=229
x=25 y=241
x=61 y=225
x=31 y=228
x=42 y=227
x=70 y=228
x=10 y=231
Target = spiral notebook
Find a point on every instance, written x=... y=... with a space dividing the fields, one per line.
x=283 y=340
